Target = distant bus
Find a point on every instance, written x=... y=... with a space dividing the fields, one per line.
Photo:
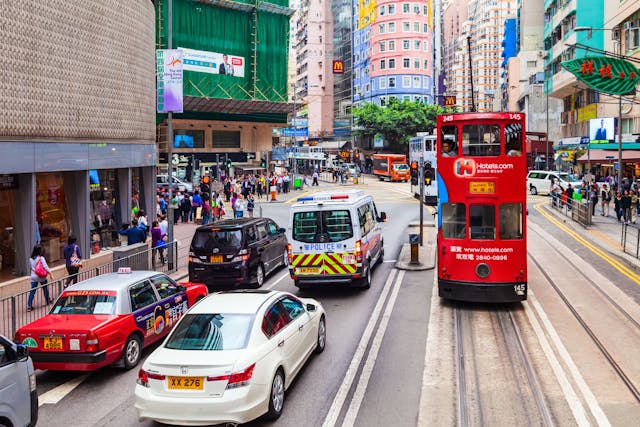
x=422 y=150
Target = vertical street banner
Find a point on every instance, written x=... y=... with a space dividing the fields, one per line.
x=169 y=80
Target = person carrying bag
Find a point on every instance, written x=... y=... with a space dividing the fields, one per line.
x=73 y=260
x=39 y=273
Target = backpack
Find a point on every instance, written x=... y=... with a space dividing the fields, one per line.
x=39 y=269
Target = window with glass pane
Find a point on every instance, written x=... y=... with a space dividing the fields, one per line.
x=453 y=220
x=406 y=26
x=450 y=134
x=406 y=44
x=482 y=222
x=481 y=140
x=392 y=63
x=226 y=139
x=510 y=225
x=513 y=139
x=392 y=27
x=406 y=63
x=405 y=7
x=392 y=9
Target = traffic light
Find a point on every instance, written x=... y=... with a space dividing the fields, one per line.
x=263 y=164
x=228 y=163
x=428 y=173
x=414 y=173
x=205 y=181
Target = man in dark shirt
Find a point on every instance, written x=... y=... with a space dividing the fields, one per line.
x=134 y=233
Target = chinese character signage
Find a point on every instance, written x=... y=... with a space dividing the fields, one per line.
x=612 y=76
x=169 y=80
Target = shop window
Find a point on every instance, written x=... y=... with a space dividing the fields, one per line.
x=51 y=211
x=183 y=138
x=102 y=207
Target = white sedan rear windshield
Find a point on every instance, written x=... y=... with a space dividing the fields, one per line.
x=220 y=331
x=322 y=226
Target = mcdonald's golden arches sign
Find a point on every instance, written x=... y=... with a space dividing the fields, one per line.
x=338 y=67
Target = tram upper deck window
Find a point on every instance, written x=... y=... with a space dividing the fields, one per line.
x=482 y=222
x=481 y=140
x=454 y=221
x=510 y=221
x=449 y=141
x=513 y=139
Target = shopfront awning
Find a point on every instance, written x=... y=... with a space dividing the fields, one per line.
x=610 y=156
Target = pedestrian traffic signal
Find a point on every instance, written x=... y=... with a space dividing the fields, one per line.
x=228 y=163
x=414 y=173
x=263 y=164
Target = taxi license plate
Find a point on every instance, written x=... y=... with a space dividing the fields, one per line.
x=348 y=259
x=186 y=383
x=53 y=343
x=216 y=258
x=308 y=270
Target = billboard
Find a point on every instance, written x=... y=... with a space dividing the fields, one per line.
x=602 y=129
x=212 y=62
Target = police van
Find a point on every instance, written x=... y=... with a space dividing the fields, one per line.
x=334 y=238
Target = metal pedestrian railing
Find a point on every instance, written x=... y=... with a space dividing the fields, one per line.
x=630 y=239
x=13 y=309
x=578 y=210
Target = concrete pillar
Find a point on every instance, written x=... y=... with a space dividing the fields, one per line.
x=123 y=202
x=25 y=221
x=148 y=192
x=76 y=189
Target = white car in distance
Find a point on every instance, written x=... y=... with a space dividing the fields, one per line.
x=230 y=359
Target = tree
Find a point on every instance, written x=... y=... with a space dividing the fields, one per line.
x=397 y=121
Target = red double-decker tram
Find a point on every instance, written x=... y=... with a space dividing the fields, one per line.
x=482 y=246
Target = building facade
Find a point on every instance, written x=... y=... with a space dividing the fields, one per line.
x=77 y=126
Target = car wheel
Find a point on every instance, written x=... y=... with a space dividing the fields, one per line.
x=365 y=282
x=276 y=399
x=381 y=257
x=322 y=335
x=285 y=259
x=132 y=352
x=259 y=276
x=533 y=190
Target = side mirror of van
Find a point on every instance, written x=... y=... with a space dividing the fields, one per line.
x=383 y=217
x=282 y=230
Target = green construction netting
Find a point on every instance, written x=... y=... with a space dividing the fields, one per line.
x=217 y=29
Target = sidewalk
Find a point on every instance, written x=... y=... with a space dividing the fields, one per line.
x=604 y=232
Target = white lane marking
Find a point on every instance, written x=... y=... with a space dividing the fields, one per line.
x=390 y=260
x=55 y=395
x=570 y=395
x=341 y=395
x=594 y=406
x=367 y=370
x=278 y=280
x=430 y=350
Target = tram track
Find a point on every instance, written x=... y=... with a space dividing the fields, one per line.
x=516 y=366
x=606 y=353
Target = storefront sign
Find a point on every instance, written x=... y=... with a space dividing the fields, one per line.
x=169 y=80
x=338 y=67
x=8 y=182
x=612 y=76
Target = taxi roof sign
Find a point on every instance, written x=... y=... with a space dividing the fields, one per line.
x=124 y=270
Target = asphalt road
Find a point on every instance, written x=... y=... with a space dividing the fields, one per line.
x=399 y=355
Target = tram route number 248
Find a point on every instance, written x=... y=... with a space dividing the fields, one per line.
x=520 y=289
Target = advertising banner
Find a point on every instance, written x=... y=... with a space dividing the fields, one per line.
x=169 y=80
x=212 y=62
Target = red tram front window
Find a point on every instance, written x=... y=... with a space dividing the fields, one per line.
x=449 y=139
x=510 y=221
x=454 y=220
x=481 y=140
x=482 y=222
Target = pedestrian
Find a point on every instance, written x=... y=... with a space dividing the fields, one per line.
x=556 y=191
x=164 y=225
x=617 y=205
x=186 y=208
x=239 y=207
x=134 y=233
x=605 y=196
x=73 y=260
x=634 y=206
x=39 y=273
x=569 y=196
x=315 y=178
x=593 y=198
x=626 y=206
x=250 y=205
x=158 y=243
x=206 y=212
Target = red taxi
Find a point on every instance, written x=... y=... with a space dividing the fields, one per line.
x=108 y=319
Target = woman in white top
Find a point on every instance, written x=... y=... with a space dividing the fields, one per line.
x=240 y=207
x=36 y=280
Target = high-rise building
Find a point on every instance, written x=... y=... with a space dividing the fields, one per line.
x=393 y=51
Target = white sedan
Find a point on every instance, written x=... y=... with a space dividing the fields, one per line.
x=230 y=358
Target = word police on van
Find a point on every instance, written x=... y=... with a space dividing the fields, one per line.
x=334 y=238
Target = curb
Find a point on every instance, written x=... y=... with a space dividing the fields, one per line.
x=426 y=253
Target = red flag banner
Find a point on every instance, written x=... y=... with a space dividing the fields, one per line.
x=613 y=76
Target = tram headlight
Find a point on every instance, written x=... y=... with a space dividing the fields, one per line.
x=483 y=270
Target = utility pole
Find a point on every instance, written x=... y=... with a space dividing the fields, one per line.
x=473 y=102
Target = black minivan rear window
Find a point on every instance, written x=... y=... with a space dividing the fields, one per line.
x=207 y=240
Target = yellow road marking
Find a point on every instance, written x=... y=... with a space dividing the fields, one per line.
x=623 y=269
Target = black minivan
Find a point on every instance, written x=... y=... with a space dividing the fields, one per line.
x=235 y=252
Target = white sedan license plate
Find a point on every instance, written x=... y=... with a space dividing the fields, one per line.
x=186 y=383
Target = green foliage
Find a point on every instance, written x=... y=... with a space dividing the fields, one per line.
x=398 y=121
